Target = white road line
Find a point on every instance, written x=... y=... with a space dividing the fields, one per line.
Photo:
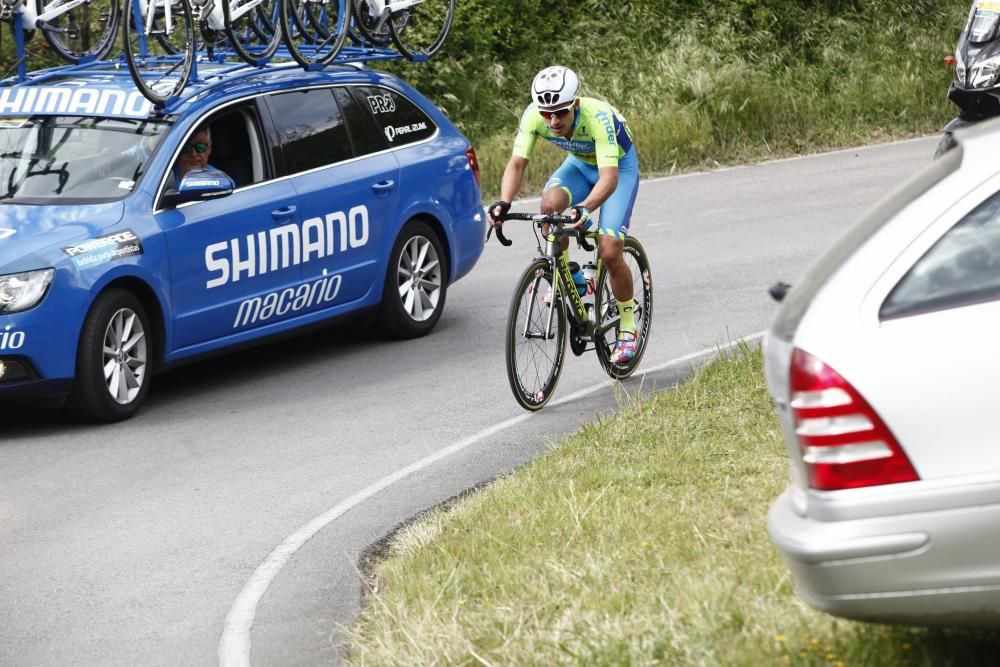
x=234 y=645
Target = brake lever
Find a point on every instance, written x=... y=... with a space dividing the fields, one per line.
x=581 y=239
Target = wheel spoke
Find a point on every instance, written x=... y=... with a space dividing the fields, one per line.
x=133 y=341
x=114 y=382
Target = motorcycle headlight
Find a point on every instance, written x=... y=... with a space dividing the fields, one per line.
x=959 y=69
x=20 y=291
x=985 y=73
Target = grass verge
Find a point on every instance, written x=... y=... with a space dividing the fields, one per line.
x=640 y=540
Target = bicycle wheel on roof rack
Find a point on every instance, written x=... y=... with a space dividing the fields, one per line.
x=420 y=30
x=84 y=31
x=247 y=34
x=159 y=38
x=364 y=26
x=314 y=30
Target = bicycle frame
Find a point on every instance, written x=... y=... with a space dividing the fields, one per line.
x=590 y=328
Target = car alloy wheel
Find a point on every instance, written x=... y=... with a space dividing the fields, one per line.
x=124 y=356
x=419 y=277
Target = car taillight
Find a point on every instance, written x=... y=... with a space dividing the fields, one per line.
x=843 y=441
x=470 y=153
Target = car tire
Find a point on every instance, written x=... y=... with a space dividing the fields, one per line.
x=416 y=283
x=114 y=359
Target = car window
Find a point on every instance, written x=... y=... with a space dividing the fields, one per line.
x=66 y=159
x=802 y=293
x=235 y=145
x=961 y=269
x=366 y=135
x=401 y=121
x=310 y=129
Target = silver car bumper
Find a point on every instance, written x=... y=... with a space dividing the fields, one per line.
x=921 y=568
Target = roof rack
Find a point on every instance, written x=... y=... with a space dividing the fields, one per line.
x=206 y=82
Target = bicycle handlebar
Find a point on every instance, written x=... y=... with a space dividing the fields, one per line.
x=554 y=219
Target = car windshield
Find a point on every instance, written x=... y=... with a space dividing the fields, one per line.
x=65 y=159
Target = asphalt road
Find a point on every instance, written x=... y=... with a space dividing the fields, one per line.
x=131 y=544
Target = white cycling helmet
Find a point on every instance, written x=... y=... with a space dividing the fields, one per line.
x=555 y=88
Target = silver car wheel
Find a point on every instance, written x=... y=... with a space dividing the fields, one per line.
x=124 y=356
x=419 y=278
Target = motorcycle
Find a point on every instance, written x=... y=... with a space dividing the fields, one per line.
x=975 y=88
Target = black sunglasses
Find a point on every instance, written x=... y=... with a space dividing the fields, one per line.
x=197 y=147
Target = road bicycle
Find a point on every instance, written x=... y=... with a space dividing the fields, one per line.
x=163 y=38
x=77 y=30
x=159 y=43
x=418 y=28
x=316 y=30
x=547 y=309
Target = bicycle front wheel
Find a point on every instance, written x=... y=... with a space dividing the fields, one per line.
x=420 y=30
x=536 y=337
x=159 y=46
x=607 y=308
x=84 y=31
x=247 y=30
x=314 y=30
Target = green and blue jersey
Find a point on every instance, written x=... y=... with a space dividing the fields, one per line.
x=600 y=136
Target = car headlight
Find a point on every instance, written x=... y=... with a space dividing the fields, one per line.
x=20 y=291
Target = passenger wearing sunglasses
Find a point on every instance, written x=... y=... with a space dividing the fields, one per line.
x=601 y=171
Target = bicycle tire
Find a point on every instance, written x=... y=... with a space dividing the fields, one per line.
x=530 y=310
x=250 y=43
x=161 y=66
x=606 y=309
x=425 y=28
x=363 y=31
x=72 y=33
x=312 y=32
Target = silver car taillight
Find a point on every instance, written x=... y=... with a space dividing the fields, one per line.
x=843 y=441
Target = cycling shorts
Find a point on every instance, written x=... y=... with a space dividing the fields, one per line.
x=577 y=178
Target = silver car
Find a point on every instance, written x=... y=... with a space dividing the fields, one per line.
x=884 y=366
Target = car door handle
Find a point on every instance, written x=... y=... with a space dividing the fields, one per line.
x=383 y=186
x=284 y=213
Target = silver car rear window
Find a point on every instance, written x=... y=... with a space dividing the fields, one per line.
x=802 y=292
x=961 y=269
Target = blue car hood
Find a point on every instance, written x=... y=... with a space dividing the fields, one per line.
x=26 y=232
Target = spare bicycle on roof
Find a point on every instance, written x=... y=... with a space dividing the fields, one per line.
x=164 y=40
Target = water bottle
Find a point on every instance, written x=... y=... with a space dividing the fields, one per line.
x=590 y=277
x=578 y=278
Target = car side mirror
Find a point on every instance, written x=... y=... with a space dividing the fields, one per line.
x=198 y=185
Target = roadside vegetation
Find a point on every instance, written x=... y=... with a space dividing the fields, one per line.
x=702 y=82
x=640 y=540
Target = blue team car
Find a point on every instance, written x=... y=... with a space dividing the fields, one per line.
x=325 y=194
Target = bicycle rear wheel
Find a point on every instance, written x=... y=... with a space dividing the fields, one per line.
x=159 y=52
x=420 y=30
x=314 y=30
x=607 y=308
x=87 y=30
x=536 y=337
x=246 y=30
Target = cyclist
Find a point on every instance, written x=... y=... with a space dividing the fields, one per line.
x=601 y=171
